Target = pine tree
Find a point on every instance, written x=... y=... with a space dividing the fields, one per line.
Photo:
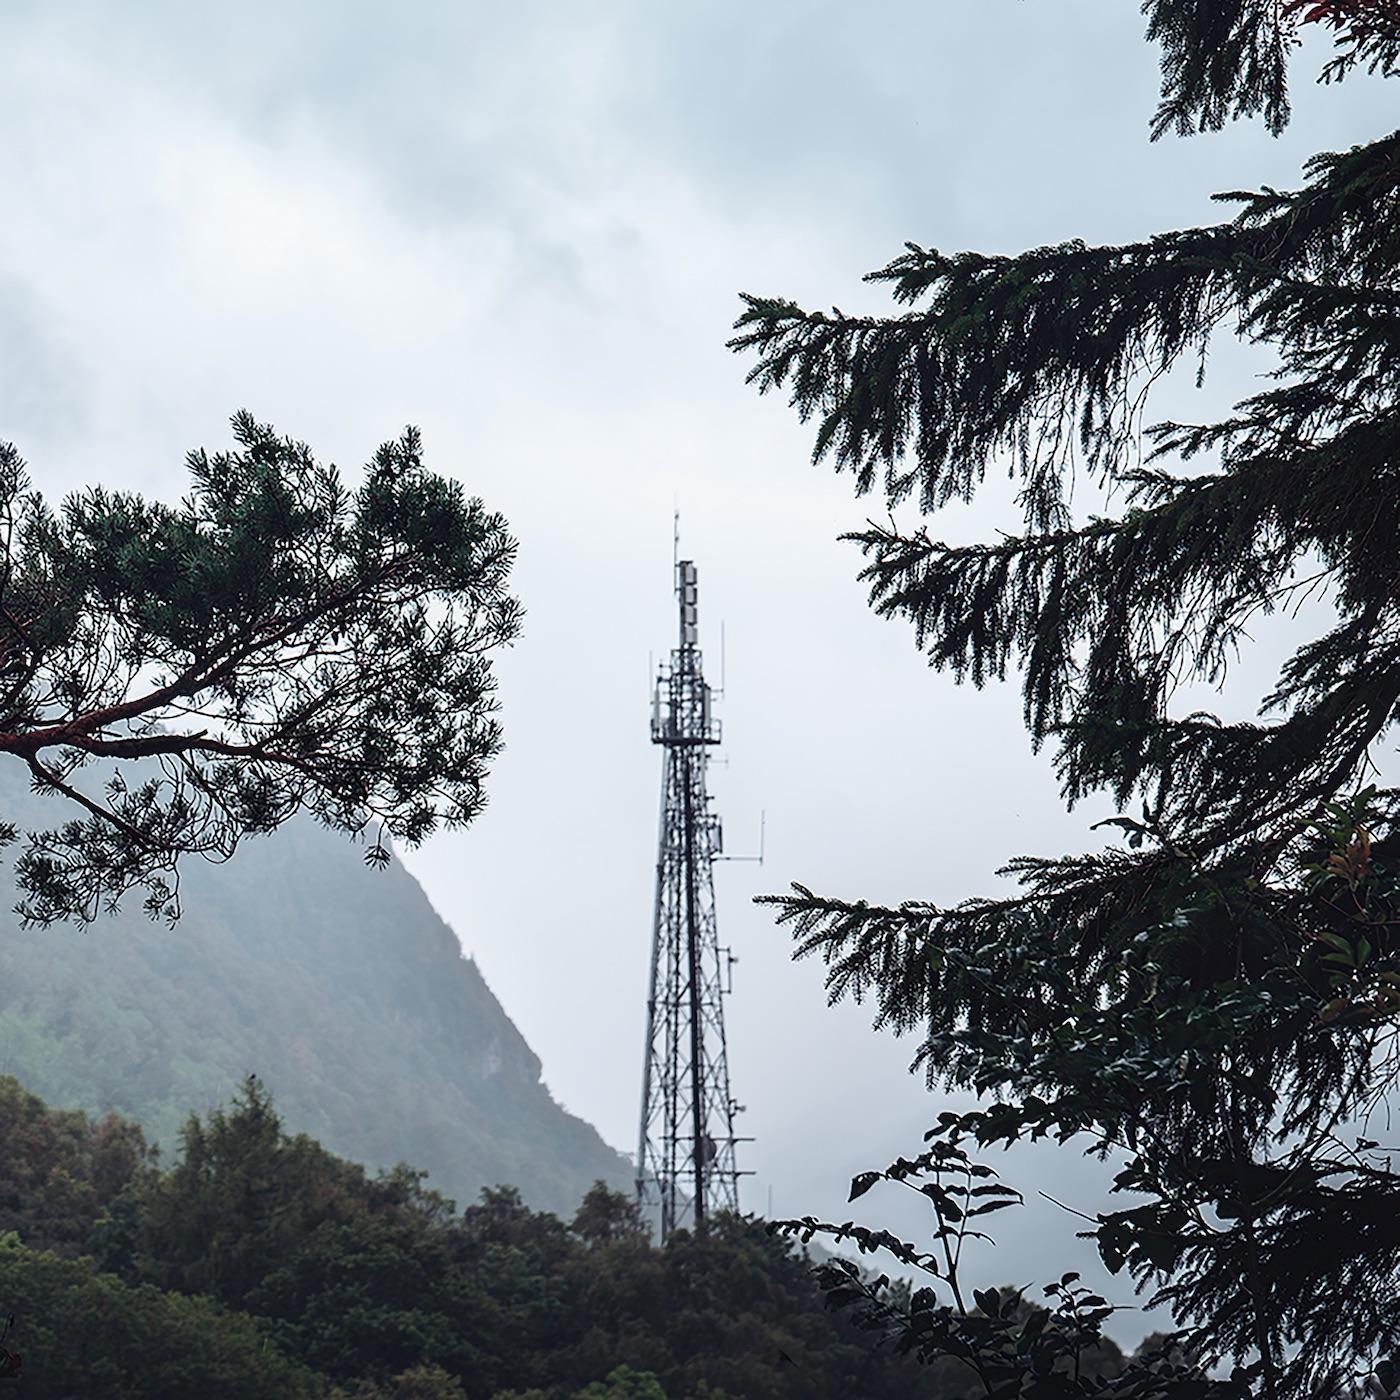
x=275 y=643
x=1215 y=1000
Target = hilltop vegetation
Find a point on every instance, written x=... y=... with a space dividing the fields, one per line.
x=259 y=1264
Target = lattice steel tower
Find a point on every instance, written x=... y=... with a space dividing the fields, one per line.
x=685 y=1150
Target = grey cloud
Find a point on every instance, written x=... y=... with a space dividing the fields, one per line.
x=42 y=381
x=870 y=123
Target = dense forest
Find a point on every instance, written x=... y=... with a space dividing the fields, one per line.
x=257 y=1264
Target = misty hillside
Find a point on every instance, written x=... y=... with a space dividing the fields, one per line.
x=337 y=984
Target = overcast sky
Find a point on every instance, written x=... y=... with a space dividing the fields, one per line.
x=523 y=228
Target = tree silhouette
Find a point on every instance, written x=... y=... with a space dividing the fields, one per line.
x=1216 y=1001
x=275 y=643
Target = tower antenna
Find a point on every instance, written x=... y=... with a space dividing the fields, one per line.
x=686 y=1168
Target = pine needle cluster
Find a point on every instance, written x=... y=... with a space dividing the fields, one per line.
x=185 y=676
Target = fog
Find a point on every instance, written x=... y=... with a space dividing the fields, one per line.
x=523 y=229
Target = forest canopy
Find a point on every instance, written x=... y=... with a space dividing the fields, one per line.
x=257 y=1264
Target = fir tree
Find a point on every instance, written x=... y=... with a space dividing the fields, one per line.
x=1217 y=999
x=274 y=643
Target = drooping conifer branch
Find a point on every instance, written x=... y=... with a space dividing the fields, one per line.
x=1219 y=999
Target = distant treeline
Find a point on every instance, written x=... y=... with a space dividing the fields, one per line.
x=258 y=1264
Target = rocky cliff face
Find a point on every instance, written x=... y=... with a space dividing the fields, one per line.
x=337 y=985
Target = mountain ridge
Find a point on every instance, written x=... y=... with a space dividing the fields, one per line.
x=337 y=984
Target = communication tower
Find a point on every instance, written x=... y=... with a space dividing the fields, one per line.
x=686 y=1167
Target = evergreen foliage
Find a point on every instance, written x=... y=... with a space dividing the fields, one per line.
x=1229 y=59
x=275 y=643
x=62 y=1172
x=260 y=1254
x=1216 y=1001
x=84 y=1333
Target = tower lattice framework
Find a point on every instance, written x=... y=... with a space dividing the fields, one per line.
x=686 y=1169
